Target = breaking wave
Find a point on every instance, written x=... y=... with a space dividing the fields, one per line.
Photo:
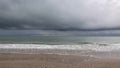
x=82 y=46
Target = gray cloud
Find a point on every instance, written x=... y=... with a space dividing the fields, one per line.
x=61 y=15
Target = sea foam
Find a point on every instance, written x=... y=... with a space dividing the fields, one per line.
x=91 y=47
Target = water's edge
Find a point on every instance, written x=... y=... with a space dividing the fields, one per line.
x=91 y=50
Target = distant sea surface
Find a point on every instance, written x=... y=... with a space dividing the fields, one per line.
x=58 y=39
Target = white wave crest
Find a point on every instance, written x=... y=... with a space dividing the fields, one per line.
x=92 y=47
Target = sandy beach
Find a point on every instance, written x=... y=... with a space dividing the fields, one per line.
x=14 y=60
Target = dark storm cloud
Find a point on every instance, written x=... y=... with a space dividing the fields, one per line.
x=60 y=15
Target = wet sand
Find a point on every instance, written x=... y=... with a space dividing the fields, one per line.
x=14 y=60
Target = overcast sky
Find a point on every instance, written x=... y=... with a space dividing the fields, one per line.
x=77 y=17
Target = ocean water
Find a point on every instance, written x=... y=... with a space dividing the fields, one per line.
x=86 y=45
x=61 y=42
x=58 y=39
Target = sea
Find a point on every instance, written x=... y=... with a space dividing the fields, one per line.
x=97 y=46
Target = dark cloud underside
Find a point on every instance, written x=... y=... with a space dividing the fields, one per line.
x=60 y=15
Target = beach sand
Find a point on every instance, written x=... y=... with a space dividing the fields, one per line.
x=14 y=60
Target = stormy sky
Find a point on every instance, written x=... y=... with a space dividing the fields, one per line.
x=75 y=17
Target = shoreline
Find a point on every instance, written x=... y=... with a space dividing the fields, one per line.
x=58 y=58
x=86 y=53
x=13 y=60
